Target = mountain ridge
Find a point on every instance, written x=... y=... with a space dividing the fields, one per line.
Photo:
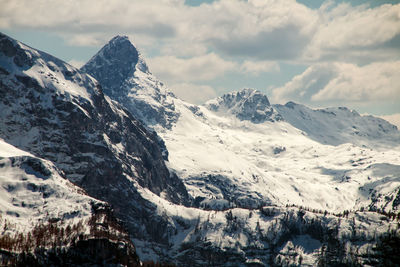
x=246 y=104
x=339 y=125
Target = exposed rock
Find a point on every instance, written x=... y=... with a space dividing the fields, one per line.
x=247 y=104
x=125 y=77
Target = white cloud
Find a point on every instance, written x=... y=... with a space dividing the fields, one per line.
x=358 y=33
x=76 y=63
x=304 y=85
x=207 y=67
x=257 y=67
x=97 y=19
x=373 y=82
x=393 y=119
x=253 y=29
x=194 y=93
x=84 y=39
x=257 y=29
x=344 y=82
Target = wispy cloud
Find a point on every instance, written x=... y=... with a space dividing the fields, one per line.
x=254 y=29
x=193 y=93
x=258 y=67
x=76 y=63
x=344 y=82
x=206 y=67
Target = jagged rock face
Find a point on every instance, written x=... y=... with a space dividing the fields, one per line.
x=58 y=113
x=247 y=104
x=125 y=77
x=118 y=52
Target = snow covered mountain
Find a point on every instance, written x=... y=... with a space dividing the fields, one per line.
x=227 y=161
x=33 y=190
x=266 y=192
x=57 y=113
x=240 y=151
x=51 y=219
x=335 y=126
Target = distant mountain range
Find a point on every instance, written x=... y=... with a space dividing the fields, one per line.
x=237 y=181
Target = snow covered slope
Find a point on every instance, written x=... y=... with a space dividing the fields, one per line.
x=125 y=77
x=239 y=150
x=32 y=190
x=45 y=220
x=335 y=126
x=60 y=114
x=272 y=236
x=227 y=161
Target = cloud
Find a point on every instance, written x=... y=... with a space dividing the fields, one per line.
x=344 y=82
x=253 y=29
x=303 y=86
x=257 y=67
x=194 y=93
x=393 y=119
x=76 y=63
x=373 y=82
x=247 y=30
x=358 y=33
x=99 y=20
x=85 y=39
x=207 y=67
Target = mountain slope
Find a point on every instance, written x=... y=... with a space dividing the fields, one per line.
x=239 y=150
x=46 y=220
x=58 y=113
x=335 y=126
x=227 y=161
x=33 y=190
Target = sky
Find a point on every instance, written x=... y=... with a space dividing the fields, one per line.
x=317 y=53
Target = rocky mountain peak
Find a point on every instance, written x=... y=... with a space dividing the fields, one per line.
x=119 y=39
x=246 y=104
x=125 y=78
x=116 y=62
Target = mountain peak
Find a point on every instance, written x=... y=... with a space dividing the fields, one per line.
x=246 y=104
x=116 y=62
x=120 y=39
x=124 y=76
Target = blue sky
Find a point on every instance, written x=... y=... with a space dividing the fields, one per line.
x=319 y=53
